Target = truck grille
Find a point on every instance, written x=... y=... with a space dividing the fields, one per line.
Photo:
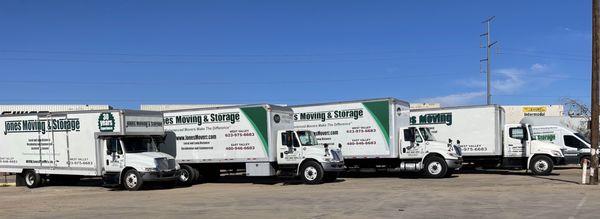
x=165 y=164
x=336 y=155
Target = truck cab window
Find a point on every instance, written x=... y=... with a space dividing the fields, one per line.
x=113 y=146
x=139 y=145
x=418 y=138
x=571 y=141
x=516 y=133
x=307 y=138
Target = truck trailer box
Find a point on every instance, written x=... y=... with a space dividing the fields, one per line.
x=81 y=143
x=479 y=128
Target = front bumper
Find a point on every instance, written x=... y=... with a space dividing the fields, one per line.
x=454 y=163
x=334 y=166
x=161 y=175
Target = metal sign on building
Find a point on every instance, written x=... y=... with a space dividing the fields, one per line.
x=514 y=114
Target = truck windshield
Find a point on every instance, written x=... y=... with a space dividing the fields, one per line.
x=307 y=138
x=583 y=137
x=139 y=144
x=427 y=136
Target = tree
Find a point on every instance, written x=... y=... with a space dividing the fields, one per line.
x=574 y=108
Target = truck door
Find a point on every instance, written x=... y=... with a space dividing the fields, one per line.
x=515 y=141
x=412 y=143
x=114 y=156
x=572 y=148
x=289 y=148
x=59 y=149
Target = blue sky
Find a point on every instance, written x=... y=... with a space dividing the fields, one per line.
x=126 y=53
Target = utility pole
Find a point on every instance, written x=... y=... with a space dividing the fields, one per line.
x=487 y=60
x=595 y=90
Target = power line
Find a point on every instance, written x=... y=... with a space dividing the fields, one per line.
x=237 y=55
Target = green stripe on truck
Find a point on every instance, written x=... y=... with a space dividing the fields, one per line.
x=258 y=119
x=380 y=110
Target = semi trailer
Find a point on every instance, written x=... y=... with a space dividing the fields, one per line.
x=258 y=140
x=118 y=145
x=375 y=134
x=487 y=141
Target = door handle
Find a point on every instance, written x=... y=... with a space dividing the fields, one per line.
x=106 y=162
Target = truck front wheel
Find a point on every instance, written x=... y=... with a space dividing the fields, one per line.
x=187 y=175
x=132 y=180
x=435 y=167
x=312 y=172
x=541 y=165
x=32 y=179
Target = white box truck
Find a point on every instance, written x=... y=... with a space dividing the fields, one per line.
x=486 y=140
x=119 y=145
x=574 y=145
x=258 y=139
x=375 y=134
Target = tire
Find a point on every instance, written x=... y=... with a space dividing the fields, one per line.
x=449 y=173
x=186 y=175
x=435 y=167
x=541 y=165
x=330 y=177
x=32 y=179
x=312 y=173
x=196 y=173
x=132 y=180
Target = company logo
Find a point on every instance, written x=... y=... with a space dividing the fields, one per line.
x=200 y=119
x=42 y=126
x=329 y=115
x=276 y=118
x=398 y=111
x=106 y=122
x=432 y=118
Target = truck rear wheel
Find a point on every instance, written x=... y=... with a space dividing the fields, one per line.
x=187 y=175
x=32 y=179
x=132 y=180
x=312 y=172
x=541 y=165
x=435 y=167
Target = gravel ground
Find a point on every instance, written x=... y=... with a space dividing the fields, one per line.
x=474 y=194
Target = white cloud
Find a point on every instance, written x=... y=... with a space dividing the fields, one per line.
x=455 y=99
x=537 y=67
x=511 y=81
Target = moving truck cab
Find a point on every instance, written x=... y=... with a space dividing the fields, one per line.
x=119 y=145
x=306 y=157
x=450 y=152
x=541 y=156
x=131 y=160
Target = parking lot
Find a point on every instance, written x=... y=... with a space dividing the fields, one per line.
x=476 y=193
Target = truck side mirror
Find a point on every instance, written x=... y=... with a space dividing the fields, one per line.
x=289 y=139
x=409 y=134
x=340 y=145
x=449 y=141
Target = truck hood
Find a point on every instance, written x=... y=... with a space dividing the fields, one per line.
x=144 y=160
x=538 y=146
x=151 y=155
